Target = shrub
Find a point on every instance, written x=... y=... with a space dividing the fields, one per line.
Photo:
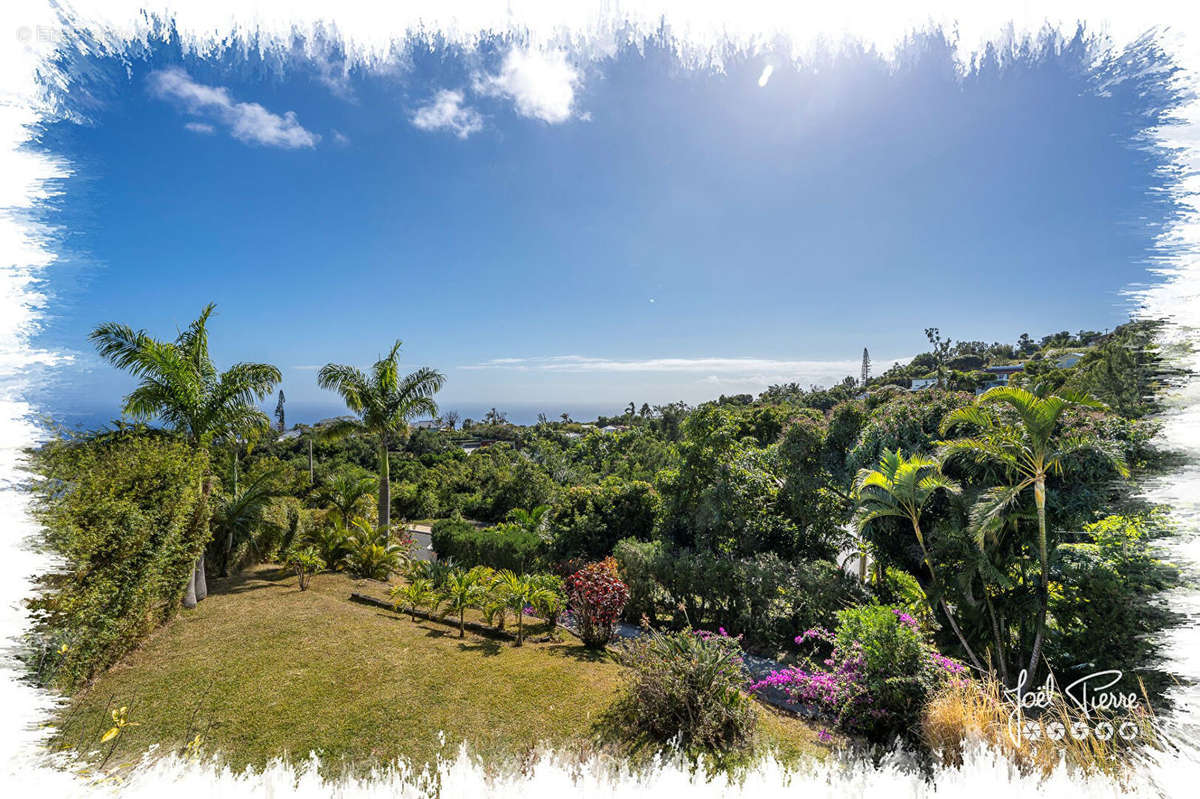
x=123 y=511
x=305 y=562
x=589 y=519
x=596 y=596
x=684 y=688
x=876 y=678
x=635 y=564
x=505 y=546
x=332 y=543
x=766 y=599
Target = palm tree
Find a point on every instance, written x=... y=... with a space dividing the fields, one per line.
x=899 y=487
x=179 y=385
x=346 y=492
x=237 y=513
x=461 y=592
x=1027 y=451
x=384 y=402
x=532 y=520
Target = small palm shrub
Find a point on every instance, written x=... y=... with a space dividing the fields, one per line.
x=686 y=689
x=596 y=596
x=305 y=563
x=461 y=592
x=414 y=595
x=550 y=600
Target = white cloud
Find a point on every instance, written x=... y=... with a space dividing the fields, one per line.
x=199 y=127
x=247 y=122
x=446 y=112
x=340 y=139
x=716 y=371
x=540 y=84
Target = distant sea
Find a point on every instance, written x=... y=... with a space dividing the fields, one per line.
x=83 y=416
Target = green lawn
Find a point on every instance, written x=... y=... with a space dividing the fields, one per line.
x=261 y=669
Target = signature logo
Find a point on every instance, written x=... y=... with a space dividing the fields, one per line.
x=1102 y=712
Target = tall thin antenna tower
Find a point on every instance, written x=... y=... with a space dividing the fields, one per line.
x=866 y=367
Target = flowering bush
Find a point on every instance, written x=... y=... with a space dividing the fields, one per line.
x=683 y=688
x=876 y=677
x=596 y=596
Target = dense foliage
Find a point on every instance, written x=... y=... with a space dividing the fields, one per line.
x=120 y=511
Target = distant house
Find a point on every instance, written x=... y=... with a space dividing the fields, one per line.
x=613 y=428
x=1068 y=359
x=998 y=375
x=289 y=435
x=426 y=424
x=920 y=383
x=573 y=435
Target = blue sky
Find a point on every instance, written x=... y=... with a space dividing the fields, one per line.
x=561 y=233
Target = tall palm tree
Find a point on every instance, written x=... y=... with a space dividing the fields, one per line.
x=384 y=402
x=180 y=386
x=1028 y=448
x=346 y=492
x=899 y=487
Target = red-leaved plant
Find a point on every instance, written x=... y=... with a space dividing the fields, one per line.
x=597 y=597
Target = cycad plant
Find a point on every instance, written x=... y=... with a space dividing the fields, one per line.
x=384 y=402
x=1028 y=445
x=179 y=385
x=372 y=554
x=899 y=487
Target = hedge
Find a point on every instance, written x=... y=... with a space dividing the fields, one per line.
x=505 y=546
x=122 y=513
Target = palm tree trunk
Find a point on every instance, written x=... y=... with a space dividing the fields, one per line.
x=945 y=607
x=1000 y=656
x=189 y=596
x=462 y=627
x=200 y=579
x=520 y=627
x=1039 y=495
x=385 y=487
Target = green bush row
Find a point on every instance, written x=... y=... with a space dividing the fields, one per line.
x=505 y=546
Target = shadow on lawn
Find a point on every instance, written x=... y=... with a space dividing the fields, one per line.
x=577 y=651
x=248 y=581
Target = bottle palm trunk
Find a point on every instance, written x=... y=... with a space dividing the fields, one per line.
x=385 y=488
